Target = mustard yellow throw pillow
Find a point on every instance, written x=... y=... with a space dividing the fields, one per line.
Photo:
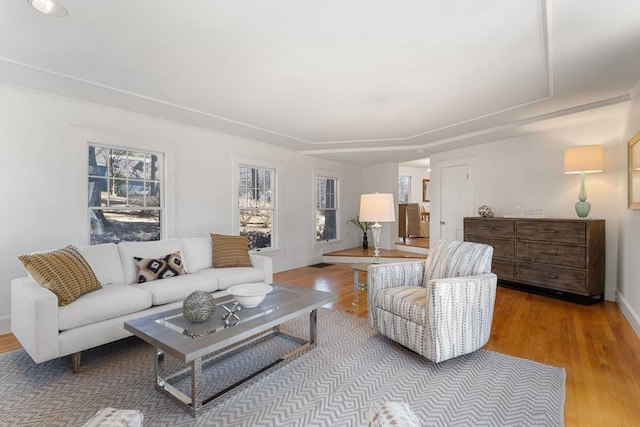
x=64 y=272
x=230 y=251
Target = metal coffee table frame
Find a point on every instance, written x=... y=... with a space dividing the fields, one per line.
x=286 y=302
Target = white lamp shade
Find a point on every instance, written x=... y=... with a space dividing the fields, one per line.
x=584 y=158
x=377 y=207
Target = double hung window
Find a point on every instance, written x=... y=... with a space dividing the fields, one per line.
x=404 y=189
x=326 y=208
x=256 y=205
x=125 y=194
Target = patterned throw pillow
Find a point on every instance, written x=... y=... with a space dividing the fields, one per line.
x=64 y=272
x=230 y=251
x=155 y=269
x=387 y=414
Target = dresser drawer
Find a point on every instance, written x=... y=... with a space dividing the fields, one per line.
x=550 y=231
x=561 y=255
x=501 y=228
x=501 y=248
x=505 y=269
x=561 y=278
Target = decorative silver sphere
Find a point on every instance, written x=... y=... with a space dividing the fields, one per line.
x=198 y=306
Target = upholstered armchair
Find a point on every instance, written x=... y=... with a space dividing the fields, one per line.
x=440 y=308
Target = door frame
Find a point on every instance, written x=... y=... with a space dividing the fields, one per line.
x=435 y=189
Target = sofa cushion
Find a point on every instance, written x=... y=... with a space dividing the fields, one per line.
x=408 y=302
x=106 y=303
x=226 y=277
x=155 y=249
x=104 y=260
x=197 y=253
x=177 y=288
x=64 y=272
x=230 y=251
x=150 y=269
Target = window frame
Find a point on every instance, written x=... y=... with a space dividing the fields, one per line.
x=83 y=137
x=336 y=201
x=159 y=180
x=237 y=162
x=338 y=178
x=400 y=193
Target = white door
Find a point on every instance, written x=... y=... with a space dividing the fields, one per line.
x=454 y=200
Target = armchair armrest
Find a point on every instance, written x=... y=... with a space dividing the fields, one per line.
x=459 y=315
x=385 y=276
x=264 y=263
x=34 y=318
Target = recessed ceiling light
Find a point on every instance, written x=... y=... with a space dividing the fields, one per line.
x=49 y=7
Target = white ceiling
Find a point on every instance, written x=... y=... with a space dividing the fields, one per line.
x=357 y=81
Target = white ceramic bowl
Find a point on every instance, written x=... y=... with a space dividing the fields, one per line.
x=251 y=294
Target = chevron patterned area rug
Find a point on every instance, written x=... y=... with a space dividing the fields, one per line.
x=332 y=385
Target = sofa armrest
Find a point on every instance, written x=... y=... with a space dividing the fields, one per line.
x=263 y=263
x=385 y=276
x=34 y=318
x=459 y=315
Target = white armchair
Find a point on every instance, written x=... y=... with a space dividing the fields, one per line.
x=440 y=308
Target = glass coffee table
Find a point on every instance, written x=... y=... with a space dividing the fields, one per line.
x=202 y=345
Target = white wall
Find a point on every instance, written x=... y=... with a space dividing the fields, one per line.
x=528 y=171
x=383 y=178
x=43 y=201
x=629 y=233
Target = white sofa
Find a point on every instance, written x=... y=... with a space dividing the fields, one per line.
x=47 y=331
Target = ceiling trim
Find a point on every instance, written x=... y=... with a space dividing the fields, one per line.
x=545 y=18
x=546 y=36
x=146 y=98
x=483 y=132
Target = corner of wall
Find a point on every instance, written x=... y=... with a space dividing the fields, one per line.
x=5 y=325
x=629 y=313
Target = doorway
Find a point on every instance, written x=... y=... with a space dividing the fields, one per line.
x=456 y=197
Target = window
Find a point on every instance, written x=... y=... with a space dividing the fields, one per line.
x=256 y=205
x=125 y=195
x=326 y=208
x=404 y=189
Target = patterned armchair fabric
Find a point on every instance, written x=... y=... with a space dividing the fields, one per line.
x=442 y=307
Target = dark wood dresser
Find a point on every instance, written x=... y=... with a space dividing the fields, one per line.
x=557 y=257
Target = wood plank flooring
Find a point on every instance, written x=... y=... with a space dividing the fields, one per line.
x=595 y=344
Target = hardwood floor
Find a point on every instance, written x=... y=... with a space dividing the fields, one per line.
x=595 y=344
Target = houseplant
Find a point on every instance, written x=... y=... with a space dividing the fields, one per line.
x=364 y=227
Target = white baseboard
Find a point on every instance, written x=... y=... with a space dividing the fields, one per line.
x=5 y=325
x=610 y=295
x=631 y=315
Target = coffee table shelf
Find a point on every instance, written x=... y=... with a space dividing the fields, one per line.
x=209 y=342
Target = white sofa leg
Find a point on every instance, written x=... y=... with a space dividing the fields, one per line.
x=75 y=362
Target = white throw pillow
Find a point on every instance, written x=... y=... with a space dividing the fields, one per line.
x=104 y=260
x=197 y=253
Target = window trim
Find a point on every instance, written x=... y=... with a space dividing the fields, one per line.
x=238 y=161
x=83 y=137
x=318 y=173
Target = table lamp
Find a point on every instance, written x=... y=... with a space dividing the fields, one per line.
x=583 y=159
x=377 y=208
